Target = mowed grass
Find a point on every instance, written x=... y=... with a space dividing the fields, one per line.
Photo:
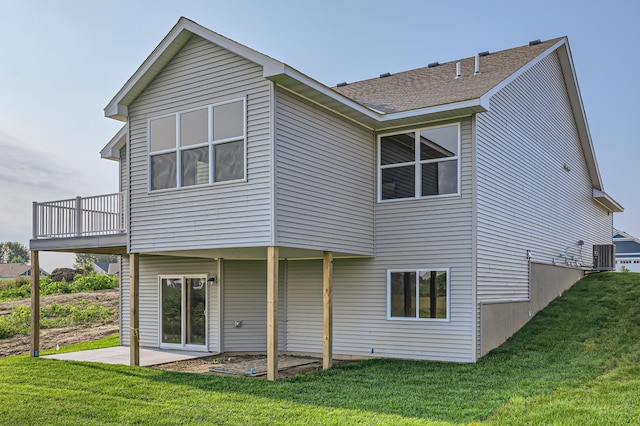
x=576 y=362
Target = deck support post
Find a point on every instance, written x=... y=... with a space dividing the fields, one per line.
x=327 y=303
x=272 y=313
x=134 y=309
x=35 y=303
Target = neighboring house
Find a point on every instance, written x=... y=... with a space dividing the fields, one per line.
x=426 y=214
x=15 y=270
x=106 y=268
x=627 y=251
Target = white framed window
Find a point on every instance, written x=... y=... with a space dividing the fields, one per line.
x=419 y=163
x=200 y=146
x=418 y=294
x=183 y=311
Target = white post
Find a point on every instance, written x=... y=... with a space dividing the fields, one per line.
x=78 y=216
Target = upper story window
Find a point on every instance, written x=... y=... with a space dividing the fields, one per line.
x=197 y=147
x=419 y=163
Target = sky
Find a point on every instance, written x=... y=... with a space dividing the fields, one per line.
x=62 y=61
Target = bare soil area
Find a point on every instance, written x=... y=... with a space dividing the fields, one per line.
x=62 y=336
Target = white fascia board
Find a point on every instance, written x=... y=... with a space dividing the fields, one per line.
x=111 y=150
x=607 y=201
x=435 y=109
x=162 y=54
x=321 y=88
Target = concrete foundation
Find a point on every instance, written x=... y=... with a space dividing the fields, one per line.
x=500 y=320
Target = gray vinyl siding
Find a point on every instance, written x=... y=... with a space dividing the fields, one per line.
x=124 y=300
x=427 y=233
x=150 y=268
x=211 y=216
x=324 y=179
x=124 y=169
x=526 y=200
x=245 y=299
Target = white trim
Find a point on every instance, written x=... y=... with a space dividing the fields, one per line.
x=417 y=271
x=210 y=143
x=111 y=151
x=272 y=159
x=417 y=163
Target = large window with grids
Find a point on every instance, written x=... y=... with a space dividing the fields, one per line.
x=419 y=163
x=201 y=146
x=418 y=294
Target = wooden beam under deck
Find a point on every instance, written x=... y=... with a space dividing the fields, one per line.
x=134 y=309
x=327 y=304
x=272 y=313
x=35 y=303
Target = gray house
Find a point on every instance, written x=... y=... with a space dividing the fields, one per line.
x=426 y=214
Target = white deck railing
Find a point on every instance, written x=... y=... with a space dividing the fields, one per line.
x=80 y=217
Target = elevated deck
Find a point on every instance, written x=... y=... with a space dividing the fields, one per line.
x=95 y=224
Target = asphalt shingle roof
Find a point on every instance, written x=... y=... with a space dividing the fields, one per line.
x=433 y=86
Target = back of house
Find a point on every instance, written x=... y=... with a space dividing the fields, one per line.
x=426 y=214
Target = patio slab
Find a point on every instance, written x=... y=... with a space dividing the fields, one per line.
x=120 y=355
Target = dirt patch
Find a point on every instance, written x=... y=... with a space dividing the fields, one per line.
x=240 y=365
x=62 y=336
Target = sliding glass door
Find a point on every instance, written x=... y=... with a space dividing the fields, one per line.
x=183 y=311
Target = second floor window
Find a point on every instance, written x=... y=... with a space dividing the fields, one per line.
x=200 y=146
x=419 y=163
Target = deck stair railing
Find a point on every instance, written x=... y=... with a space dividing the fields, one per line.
x=80 y=216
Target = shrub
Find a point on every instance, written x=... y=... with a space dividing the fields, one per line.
x=21 y=288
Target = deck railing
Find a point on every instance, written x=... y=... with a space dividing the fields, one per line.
x=80 y=216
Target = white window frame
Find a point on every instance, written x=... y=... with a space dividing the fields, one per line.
x=417 y=163
x=211 y=143
x=183 y=307
x=417 y=295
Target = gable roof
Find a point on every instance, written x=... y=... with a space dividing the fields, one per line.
x=403 y=99
x=14 y=270
x=437 y=85
x=626 y=245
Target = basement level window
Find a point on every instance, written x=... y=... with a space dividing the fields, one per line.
x=201 y=146
x=421 y=294
x=419 y=163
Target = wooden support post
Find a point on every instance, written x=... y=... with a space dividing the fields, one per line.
x=327 y=303
x=272 y=313
x=35 y=303
x=134 y=309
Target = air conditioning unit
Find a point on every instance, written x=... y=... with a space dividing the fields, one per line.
x=604 y=257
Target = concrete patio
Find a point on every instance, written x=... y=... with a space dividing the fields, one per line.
x=120 y=355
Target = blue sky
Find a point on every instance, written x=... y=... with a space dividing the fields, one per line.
x=63 y=61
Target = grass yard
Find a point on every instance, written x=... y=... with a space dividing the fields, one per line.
x=577 y=362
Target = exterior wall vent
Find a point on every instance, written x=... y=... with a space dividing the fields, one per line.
x=604 y=257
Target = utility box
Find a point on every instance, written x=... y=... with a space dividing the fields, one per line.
x=604 y=257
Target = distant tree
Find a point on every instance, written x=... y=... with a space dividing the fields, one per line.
x=86 y=260
x=14 y=252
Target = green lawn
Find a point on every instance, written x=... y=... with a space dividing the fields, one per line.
x=577 y=362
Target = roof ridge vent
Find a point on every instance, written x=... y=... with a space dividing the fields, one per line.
x=386 y=74
x=433 y=64
x=344 y=83
x=534 y=42
x=485 y=53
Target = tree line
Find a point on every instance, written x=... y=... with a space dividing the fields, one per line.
x=15 y=252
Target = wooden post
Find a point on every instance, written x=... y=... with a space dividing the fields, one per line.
x=35 y=304
x=327 y=303
x=272 y=313
x=134 y=309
